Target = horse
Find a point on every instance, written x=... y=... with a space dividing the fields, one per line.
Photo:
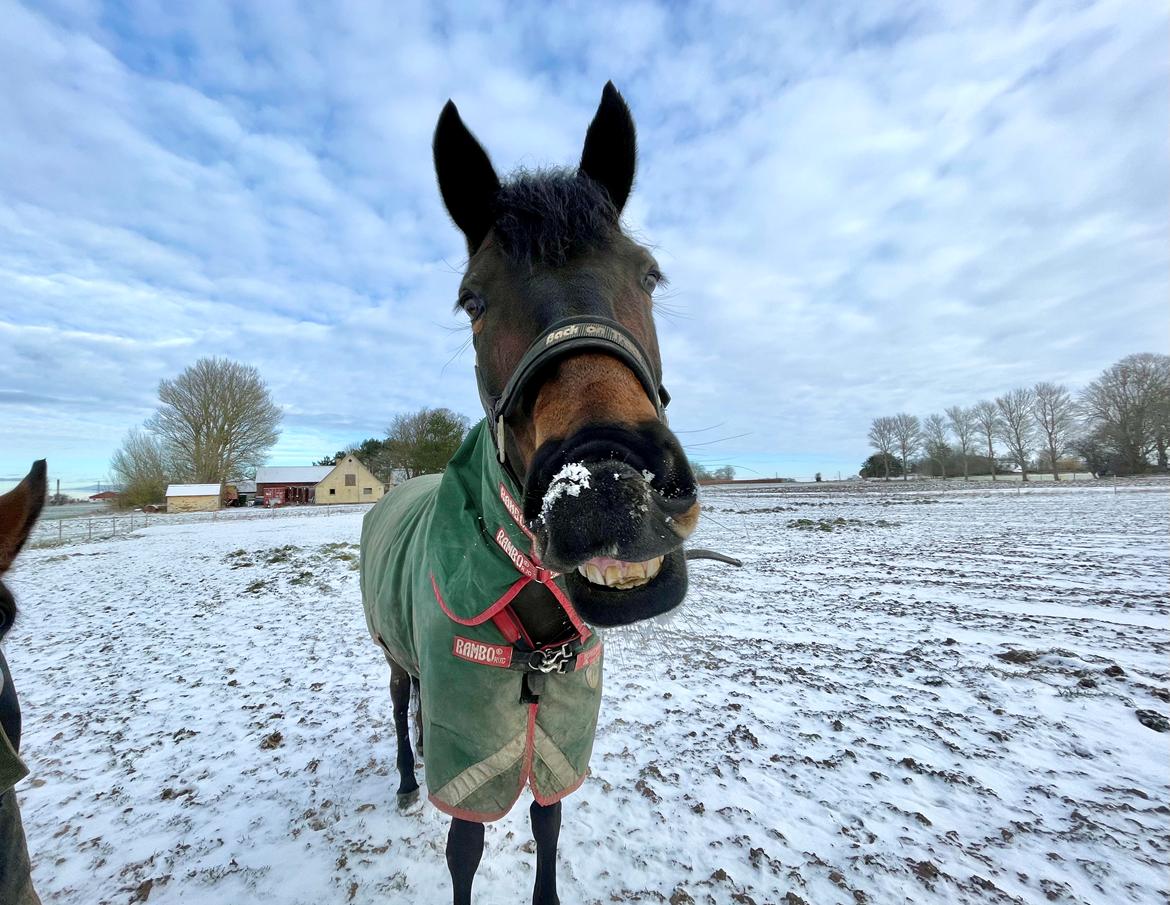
x=19 y=509
x=563 y=512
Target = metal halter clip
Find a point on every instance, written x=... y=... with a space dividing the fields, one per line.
x=554 y=660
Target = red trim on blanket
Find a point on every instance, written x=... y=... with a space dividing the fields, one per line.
x=480 y=618
x=473 y=816
x=588 y=657
x=553 y=799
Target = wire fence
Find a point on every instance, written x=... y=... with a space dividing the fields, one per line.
x=111 y=525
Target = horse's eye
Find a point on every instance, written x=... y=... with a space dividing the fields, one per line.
x=650 y=281
x=472 y=304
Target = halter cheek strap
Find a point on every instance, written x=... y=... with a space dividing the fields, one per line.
x=566 y=337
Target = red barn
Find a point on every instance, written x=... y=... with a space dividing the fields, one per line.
x=286 y=485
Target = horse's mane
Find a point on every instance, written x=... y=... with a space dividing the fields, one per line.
x=548 y=216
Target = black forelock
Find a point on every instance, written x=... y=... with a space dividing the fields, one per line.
x=548 y=216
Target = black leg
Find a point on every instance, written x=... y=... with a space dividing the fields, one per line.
x=400 y=698
x=546 y=830
x=418 y=720
x=464 y=849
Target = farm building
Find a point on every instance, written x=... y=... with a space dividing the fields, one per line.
x=194 y=497
x=281 y=485
x=349 y=481
x=240 y=493
x=106 y=496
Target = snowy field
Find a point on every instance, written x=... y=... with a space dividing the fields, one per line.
x=907 y=694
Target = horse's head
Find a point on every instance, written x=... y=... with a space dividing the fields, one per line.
x=19 y=509
x=560 y=301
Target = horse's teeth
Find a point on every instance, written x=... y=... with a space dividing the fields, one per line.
x=622 y=574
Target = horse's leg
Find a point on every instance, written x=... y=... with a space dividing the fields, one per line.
x=400 y=698
x=546 y=829
x=418 y=720
x=464 y=849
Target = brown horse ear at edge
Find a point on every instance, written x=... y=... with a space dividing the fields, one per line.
x=19 y=509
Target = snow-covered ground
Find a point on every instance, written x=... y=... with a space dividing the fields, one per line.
x=904 y=696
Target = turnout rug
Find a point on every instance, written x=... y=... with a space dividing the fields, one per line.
x=442 y=557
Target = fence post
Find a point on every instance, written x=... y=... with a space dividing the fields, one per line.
x=113 y=526
x=91 y=529
x=59 y=521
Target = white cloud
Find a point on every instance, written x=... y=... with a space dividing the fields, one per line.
x=862 y=209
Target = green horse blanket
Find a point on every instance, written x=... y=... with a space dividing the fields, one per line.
x=442 y=556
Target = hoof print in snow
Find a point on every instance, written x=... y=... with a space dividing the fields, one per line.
x=1114 y=671
x=1151 y=719
x=275 y=740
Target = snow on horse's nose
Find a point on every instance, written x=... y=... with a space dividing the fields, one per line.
x=603 y=510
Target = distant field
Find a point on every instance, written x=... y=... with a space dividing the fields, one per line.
x=74 y=510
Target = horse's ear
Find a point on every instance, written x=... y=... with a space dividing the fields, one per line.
x=19 y=509
x=467 y=179
x=611 y=147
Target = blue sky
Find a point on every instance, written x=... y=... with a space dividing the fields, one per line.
x=863 y=209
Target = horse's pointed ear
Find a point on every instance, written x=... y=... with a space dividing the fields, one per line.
x=467 y=179
x=19 y=509
x=611 y=147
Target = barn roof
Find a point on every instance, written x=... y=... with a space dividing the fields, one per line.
x=194 y=490
x=292 y=474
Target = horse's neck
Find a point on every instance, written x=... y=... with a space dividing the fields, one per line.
x=543 y=618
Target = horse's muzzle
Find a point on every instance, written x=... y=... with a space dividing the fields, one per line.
x=611 y=508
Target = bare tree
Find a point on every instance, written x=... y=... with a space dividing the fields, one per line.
x=1126 y=406
x=987 y=425
x=962 y=424
x=908 y=434
x=1016 y=426
x=216 y=421
x=934 y=435
x=139 y=467
x=424 y=441
x=881 y=438
x=1055 y=415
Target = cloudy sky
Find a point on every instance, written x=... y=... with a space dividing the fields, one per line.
x=862 y=209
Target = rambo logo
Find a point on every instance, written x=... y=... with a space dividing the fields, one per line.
x=522 y=563
x=482 y=653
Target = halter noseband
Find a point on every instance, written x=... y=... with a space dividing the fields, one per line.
x=565 y=337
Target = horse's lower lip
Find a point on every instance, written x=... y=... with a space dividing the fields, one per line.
x=614 y=573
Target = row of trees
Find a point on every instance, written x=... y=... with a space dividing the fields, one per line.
x=215 y=422
x=1118 y=424
x=415 y=444
x=703 y=473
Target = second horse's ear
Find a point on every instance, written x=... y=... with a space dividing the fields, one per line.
x=19 y=509
x=611 y=147
x=467 y=179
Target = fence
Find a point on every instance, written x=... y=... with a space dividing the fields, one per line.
x=102 y=527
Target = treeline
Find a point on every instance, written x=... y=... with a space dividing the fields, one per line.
x=415 y=444
x=1118 y=425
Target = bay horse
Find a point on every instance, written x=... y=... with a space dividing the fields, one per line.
x=19 y=509
x=564 y=511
